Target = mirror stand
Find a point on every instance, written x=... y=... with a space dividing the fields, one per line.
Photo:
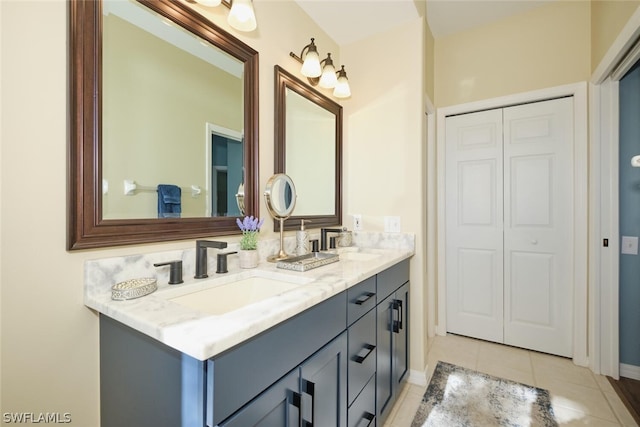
x=280 y=197
x=281 y=254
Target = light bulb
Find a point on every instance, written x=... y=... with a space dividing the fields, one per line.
x=342 y=89
x=242 y=17
x=328 y=79
x=311 y=65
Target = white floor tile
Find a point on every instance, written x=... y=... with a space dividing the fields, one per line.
x=580 y=398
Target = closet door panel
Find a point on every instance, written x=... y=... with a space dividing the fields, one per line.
x=538 y=233
x=474 y=254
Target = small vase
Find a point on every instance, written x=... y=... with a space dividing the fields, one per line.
x=248 y=258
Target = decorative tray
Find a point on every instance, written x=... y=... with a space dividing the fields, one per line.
x=308 y=261
x=134 y=288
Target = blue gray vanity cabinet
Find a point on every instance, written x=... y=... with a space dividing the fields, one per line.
x=392 y=336
x=337 y=364
x=312 y=394
x=146 y=383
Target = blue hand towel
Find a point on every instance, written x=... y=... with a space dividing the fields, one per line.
x=169 y=201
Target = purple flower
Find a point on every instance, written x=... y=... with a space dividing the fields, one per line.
x=249 y=223
x=249 y=226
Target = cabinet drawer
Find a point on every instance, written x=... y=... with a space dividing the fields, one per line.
x=392 y=278
x=360 y=299
x=243 y=372
x=362 y=353
x=362 y=411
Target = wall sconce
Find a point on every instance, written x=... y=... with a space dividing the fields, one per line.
x=242 y=17
x=322 y=73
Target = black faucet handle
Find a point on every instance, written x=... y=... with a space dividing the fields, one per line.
x=221 y=263
x=175 y=271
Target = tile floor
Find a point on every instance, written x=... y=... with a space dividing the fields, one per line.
x=579 y=397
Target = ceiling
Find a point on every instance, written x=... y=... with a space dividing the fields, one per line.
x=359 y=19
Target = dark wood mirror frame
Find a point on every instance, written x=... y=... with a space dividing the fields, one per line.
x=285 y=80
x=86 y=228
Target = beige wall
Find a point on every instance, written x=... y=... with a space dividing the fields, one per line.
x=429 y=55
x=547 y=46
x=607 y=19
x=384 y=153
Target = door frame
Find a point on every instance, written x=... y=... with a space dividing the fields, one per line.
x=580 y=187
x=604 y=206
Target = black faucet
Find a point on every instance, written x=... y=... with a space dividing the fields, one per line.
x=323 y=236
x=201 y=256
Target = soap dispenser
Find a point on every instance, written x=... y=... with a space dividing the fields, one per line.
x=302 y=240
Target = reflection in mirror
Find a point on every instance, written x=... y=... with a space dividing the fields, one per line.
x=161 y=118
x=240 y=200
x=309 y=149
x=280 y=197
x=311 y=154
x=162 y=87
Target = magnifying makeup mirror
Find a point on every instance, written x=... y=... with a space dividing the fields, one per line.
x=280 y=197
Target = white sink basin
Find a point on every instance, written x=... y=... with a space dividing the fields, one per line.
x=358 y=256
x=232 y=296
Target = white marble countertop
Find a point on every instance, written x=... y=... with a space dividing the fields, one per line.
x=203 y=335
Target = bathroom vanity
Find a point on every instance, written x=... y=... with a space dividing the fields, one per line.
x=331 y=351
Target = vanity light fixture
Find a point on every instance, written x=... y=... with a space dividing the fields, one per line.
x=241 y=16
x=328 y=79
x=311 y=67
x=342 y=89
x=322 y=73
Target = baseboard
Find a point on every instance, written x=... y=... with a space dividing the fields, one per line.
x=418 y=378
x=630 y=371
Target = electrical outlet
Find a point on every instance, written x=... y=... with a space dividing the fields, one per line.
x=392 y=224
x=357 y=222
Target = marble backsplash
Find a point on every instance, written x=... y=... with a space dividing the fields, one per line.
x=101 y=274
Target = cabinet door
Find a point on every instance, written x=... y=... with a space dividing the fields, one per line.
x=393 y=349
x=278 y=406
x=400 y=327
x=384 y=385
x=323 y=386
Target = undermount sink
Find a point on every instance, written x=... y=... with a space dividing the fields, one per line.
x=231 y=296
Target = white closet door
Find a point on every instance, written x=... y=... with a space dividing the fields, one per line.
x=474 y=221
x=538 y=219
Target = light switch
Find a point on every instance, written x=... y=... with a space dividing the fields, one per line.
x=392 y=224
x=630 y=245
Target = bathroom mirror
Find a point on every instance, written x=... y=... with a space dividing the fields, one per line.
x=308 y=148
x=280 y=197
x=102 y=144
